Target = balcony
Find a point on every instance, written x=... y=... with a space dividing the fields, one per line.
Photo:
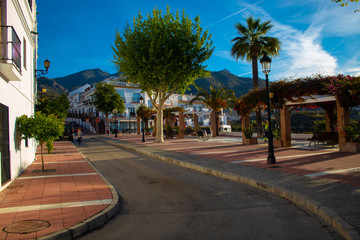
x=10 y=56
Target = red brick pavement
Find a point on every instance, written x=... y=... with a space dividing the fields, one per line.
x=66 y=194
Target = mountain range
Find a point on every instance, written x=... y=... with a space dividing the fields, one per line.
x=64 y=85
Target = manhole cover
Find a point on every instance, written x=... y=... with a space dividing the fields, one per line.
x=26 y=226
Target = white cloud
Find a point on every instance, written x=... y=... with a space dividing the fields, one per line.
x=301 y=51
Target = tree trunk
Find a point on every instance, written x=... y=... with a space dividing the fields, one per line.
x=255 y=73
x=42 y=158
x=213 y=123
x=159 y=125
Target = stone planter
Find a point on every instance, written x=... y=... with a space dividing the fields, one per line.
x=353 y=147
x=248 y=141
x=277 y=143
x=147 y=133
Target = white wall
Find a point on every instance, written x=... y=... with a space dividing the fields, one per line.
x=19 y=96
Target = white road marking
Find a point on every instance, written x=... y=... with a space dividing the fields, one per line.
x=55 y=206
x=62 y=175
x=60 y=162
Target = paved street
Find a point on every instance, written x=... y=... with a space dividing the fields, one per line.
x=163 y=201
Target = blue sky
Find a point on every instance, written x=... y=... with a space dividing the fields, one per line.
x=317 y=36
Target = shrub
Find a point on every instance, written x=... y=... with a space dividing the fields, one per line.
x=50 y=146
x=319 y=126
x=353 y=131
x=250 y=130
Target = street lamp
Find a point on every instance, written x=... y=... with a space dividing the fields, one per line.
x=43 y=72
x=129 y=120
x=116 y=127
x=266 y=66
x=142 y=117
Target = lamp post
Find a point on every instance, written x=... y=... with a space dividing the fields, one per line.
x=129 y=121
x=142 y=118
x=266 y=66
x=39 y=73
x=116 y=127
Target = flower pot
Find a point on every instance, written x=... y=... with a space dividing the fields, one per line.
x=248 y=141
x=353 y=147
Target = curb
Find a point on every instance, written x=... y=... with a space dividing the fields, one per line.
x=328 y=215
x=93 y=222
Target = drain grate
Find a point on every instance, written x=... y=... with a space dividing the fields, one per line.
x=26 y=226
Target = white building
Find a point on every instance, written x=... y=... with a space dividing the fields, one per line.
x=17 y=83
x=81 y=103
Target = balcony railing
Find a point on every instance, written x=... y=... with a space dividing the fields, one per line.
x=10 y=46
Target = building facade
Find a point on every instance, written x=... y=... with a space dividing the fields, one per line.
x=17 y=83
x=81 y=105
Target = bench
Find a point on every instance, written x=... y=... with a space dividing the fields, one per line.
x=328 y=137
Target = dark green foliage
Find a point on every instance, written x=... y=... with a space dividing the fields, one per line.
x=319 y=125
x=107 y=99
x=58 y=106
x=353 y=131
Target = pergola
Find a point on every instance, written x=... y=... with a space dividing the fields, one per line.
x=336 y=92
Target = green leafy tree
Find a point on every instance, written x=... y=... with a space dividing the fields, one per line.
x=58 y=106
x=217 y=99
x=24 y=126
x=251 y=43
x=163 y=53
x=107 y=100
x=43 y=128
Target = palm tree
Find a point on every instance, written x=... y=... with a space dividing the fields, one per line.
x=216 y=99
x=253 y=43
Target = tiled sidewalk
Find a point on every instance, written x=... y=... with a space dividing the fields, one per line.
x=67 y=193
x=313 y=162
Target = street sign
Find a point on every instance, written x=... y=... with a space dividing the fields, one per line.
x=97 y=120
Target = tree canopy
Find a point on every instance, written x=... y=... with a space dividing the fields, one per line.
x=42 y=127
x=163 y=53
x=107 y=99
x=58 y=106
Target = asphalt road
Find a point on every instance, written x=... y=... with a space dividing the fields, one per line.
x=163 y=201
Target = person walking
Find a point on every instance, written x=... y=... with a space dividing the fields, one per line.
x=79 y=136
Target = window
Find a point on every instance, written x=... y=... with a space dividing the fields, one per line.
x=30 y=4
x=136 y=97
x=122 y=94
x=24 y=53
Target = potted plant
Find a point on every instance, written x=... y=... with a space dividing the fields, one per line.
x=277 y=138
x=248 y=132
x=147 y=131
x=353 y=137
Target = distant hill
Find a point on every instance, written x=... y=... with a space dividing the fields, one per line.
x=51 y=86
x=69 y=83
x=76 y=80
x=226 y=79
